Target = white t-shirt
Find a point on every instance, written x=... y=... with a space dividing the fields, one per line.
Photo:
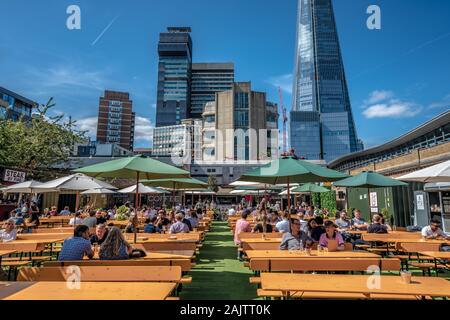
x=78 y=221
x=231 y=212
x=427 y=232
x=8 y=236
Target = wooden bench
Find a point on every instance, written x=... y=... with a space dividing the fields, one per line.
x=167 y=246
x=107 y=274
x=414 y=249
x=332 y=295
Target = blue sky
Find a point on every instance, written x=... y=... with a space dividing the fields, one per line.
x=398 y=76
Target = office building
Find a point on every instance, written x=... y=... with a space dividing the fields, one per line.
x=14 y=106
x=321 y=121
x=240 y=126
x=174 y=76
x=116 y=119
x=207 y=80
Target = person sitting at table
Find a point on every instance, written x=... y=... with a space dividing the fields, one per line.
x=376 y=226
x=33 y=221
x=101 y=232
x=9 y=231
x=65 y=211
x=186 y=221
x=283 y=225
x=358 y=222
x=193 y=219
x=115 y=247
x=384 y=223
x=76 y=220
x=309 y=213
x=90 y=221
x=332 y=234
x=434 y=231
x=262 y=225
x=343 y=222
x=46 y=213
x=162 y=222
x=179 y=226
x=296 y=238
x=78 y=246
x=18 y=219
x=303 y=222
x=100 y=217
x=318 y=229
x=53 y=212
x=242 y=225
x=151 y=226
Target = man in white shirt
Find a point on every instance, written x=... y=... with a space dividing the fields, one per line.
x=434 y=231
x=231 y=211
x=9 y=233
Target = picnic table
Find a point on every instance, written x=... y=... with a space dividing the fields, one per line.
x=30 y=245
x=440 y=258
x=5 y=253
x=354 y=284
x=87 y=291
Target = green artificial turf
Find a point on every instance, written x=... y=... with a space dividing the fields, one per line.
x=218 y=274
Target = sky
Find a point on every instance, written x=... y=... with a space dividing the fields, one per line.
x=398 y=76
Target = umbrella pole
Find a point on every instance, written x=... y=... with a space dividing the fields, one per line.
x=192 y=199
x=136 y=204
x=77 y=201
x=289 y=197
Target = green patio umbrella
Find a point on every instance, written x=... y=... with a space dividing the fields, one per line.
x=137 y=168
x=176 y=184
x=289 y=170
x=311 y=188
x=369 y=179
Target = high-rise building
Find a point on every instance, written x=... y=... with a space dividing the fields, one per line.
x=240 y=125
x=116 y=119
x=207 y=79
x=174 y=76
x=14 y=106
x=321 y=121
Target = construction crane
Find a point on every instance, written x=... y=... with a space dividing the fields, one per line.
x=284 y=115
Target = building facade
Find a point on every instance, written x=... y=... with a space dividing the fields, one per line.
x=207 y=80
x=240 y=126
x=321 y=121
x=14 y=106
x=116 y=119
x=174 y=76
x=180 y=142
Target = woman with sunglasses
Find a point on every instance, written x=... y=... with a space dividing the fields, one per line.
x=9 y=233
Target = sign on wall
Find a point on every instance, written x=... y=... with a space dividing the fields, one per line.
x=420 y=202
x=14 y=176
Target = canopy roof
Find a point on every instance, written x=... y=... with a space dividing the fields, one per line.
x=142 y=189
x=176 y=183
x=437 y=173
x=75 y=182
x=99 y=191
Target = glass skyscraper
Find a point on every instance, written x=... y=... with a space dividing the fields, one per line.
x=174 y=76
x=321 y=121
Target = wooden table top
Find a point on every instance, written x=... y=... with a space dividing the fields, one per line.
x=420 y=286
x=6 y=252
x=28 y=245
x=44 y=236
x=88 y=291
x=436 y=254
x=260 y=240
x=252 y=254
x=393 y=239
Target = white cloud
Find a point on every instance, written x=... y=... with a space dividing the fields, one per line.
x=89 y=125
x=283 y=81
x=445 y=102
x=378 y=96
x=143 y=129
x=384 y=104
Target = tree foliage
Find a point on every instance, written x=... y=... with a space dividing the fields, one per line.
x=328 y=201
x=38 y=143
x=212 y=183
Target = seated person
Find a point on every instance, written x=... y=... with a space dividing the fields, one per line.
x=115 y=247
x=303 y=222
x=65 y=212
x=331 y=234
x=343 y=223
x=186 y=221
x=262 y=225
x=242 y=225
x=78 y=246
x=46 y=213
x=318 y=230
x=193 y=218
x=90 y=221
x=151 y=227
x=76 y=220
x=283 y=225
x=53 y=212
x=161 y=220
x=377 y=226
x=296 y=238
x=100 y=217
x=101 y=232
x=358 y=222
x=434 y=231
x=179 y=226
x=18 y=219
x=9 y=231
x=133 y=222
